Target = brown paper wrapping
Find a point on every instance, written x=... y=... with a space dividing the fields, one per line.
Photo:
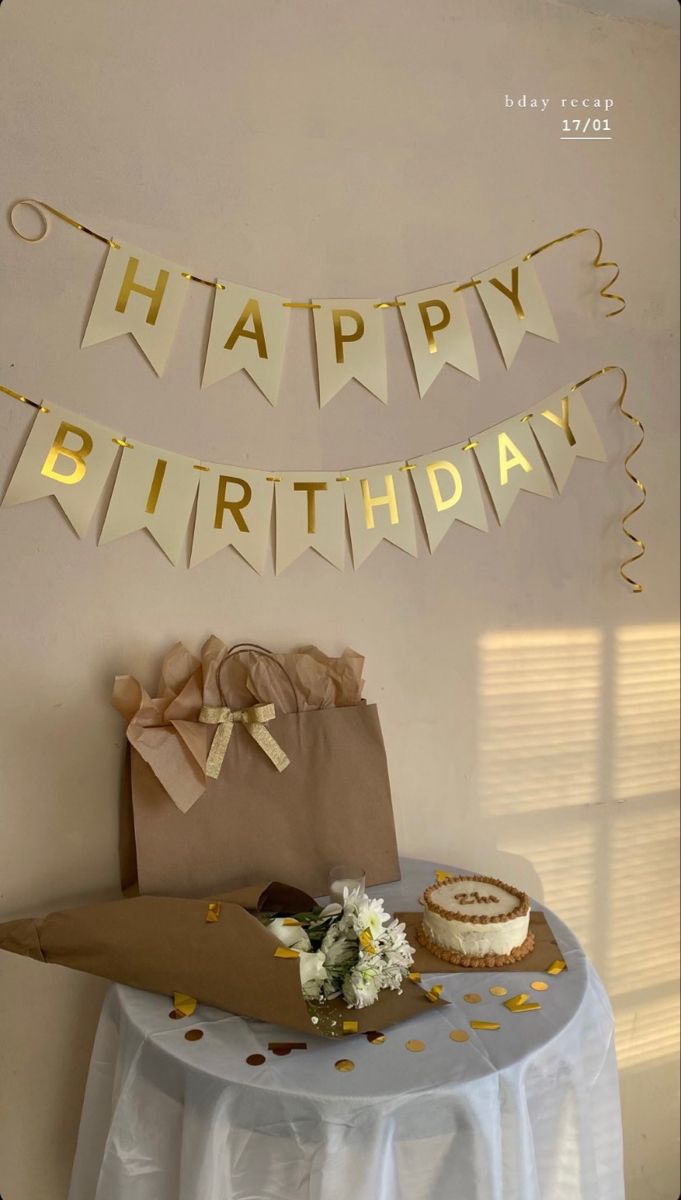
x=332 y=804
x=164 y=944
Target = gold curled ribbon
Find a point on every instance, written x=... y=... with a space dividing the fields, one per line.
x=597 y=262
x=255 y=720
x=306 y=304
x=633 y=584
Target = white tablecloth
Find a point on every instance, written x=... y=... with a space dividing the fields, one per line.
x=528 y=1112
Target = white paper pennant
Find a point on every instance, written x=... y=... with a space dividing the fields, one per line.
x=380 y=508
x=234 y=509
x=438 y=331
x=67 y=456
x=310 y=510
x=448 y=489
x=511 y=462
x=141 y=294
x=515 y=304
x=248 y=332
x=565 y=430
x=350 y=340
x=154 y=490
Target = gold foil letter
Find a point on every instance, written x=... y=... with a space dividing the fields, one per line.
x=234 y=506
x=154 y=490
x=339 y=337
x=155 y=294
x=428 y=325
x=440 y=502
x=372 y=502
x=251 y=312
x=510 y=456
x=311 y=489
x=511 y=292
x=77 y=456
x=562 y=421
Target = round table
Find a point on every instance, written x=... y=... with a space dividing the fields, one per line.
x=526 y=1112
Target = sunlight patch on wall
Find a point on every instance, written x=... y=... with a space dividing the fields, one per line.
x=646 y=748
x=540 y=697
x=647 y=1032
x=643 y=884
x=563 y=855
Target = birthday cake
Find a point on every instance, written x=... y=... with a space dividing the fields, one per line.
x=476 y=921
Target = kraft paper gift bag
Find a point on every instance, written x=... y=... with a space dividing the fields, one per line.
x=249 y=765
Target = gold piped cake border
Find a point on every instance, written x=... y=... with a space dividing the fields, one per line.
x=472 y=960
x=521 y=908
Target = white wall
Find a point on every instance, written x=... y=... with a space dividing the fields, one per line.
x=319 y=148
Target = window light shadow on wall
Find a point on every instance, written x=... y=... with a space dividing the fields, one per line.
x=578 y=766
x=646 y=758
x=540 y=694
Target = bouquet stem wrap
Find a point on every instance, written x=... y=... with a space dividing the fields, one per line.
x=168 y=945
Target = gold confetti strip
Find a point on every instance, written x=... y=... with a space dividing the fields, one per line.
x=415 y=1045
x=521 y=1003
x=290 y=921
x=458 y=1035
x=286 y=952
x=213 y=911
x=186 y=1005
x=434 y=994
x=344 y=1064
x=443 y=876
x=498 y=991
x=539 y=986
x=484 y=1025
x=472 y=998
x=350 y=1026
x=193 y=1035
x=286 y=1047
x=556 y=967
x=375 y=1038
x=414 y=976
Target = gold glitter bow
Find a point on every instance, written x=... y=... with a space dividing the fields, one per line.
x=254 y=720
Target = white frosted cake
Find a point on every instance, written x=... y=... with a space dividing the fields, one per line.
x=475 y=921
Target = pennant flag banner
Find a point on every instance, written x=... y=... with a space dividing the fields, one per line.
x=70 y=457
x=142 y=295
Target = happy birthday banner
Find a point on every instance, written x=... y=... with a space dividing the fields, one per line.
x=70 y=457
x=142 y=294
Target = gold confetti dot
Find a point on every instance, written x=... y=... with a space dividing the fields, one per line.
x=375 y=1038
x=175 y=1015
x=344 y=1064
x=498 y=991
x=459 y=1035
x=472 y=998
x=194 y=1035
x=415 y=1045
x=256 y=1060
x=539 y=985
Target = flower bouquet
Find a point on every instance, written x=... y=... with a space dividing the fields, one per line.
x=352 y=950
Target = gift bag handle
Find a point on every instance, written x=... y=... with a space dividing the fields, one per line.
x=241 y=648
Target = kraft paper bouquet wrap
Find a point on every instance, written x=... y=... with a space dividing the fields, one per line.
x=249 y=765
x=217 y=951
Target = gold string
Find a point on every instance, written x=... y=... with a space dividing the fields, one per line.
x=23 y=399
x=635 y=587
x=306 y=304
x=597 y=262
